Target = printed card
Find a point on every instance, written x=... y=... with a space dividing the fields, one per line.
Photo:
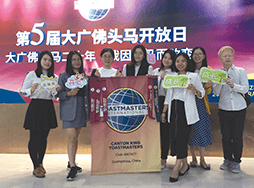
x=77 y=80
x=216 y=76
x=176 y=81
x=49 y=83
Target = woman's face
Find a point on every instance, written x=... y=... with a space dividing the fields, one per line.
x=167 y=60
x=138 y=55
x=181 y=63
x=46 y=62
x=75 y=61
x=198 y=56
x=107 y=59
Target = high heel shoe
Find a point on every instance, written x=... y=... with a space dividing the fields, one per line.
x=171 y=179
x=186 y=171
x=205 y=168
x=193 y=164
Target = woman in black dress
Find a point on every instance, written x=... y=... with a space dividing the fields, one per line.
x=40 y=115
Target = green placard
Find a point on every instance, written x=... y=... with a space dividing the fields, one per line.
x=216 y=76
x=175 y=81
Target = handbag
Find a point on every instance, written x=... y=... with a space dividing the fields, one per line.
x=246 y=97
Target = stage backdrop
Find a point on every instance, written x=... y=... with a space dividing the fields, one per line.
x=31 y=26
x=124 y=135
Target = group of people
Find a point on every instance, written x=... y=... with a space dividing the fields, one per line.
x=184 y=111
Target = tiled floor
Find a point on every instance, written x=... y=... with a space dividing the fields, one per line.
x=16 y=172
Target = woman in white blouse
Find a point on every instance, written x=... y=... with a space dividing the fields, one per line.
x=139 y=65
x=107 y=57
x=168 y=58
x=182 y=113
x=40 y=115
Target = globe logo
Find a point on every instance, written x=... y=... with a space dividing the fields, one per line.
x=93 y=10
x=127 y=110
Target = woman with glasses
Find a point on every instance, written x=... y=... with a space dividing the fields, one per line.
x=107 y=57
x=139 y=65
x=200 y=135
x=74 y=108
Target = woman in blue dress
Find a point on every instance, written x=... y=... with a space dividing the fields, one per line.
x=200 y=135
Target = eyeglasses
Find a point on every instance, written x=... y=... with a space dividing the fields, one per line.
x=74 y=59
x=107 y=57
x=200 y=54
x=138 y=53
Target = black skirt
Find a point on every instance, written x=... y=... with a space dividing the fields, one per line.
x=40 y=115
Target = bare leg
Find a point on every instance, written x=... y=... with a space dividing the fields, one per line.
x=184 y=166
x=72 y=144
x=193 y=163
x=78 y=132
x=202 y=157
x=176 y=168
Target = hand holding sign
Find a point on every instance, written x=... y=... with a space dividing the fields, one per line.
x=72 y=92
x=229 y=82
x=175 y=81
x=191 y=87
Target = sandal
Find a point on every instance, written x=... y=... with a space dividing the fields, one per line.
x=207 y=165
x=193 y=164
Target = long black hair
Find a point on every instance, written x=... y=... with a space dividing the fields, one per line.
x=69 y=68
x=190 y=66
x=172 y=55
x=204 y=62
x=38 y=70
x=144 y=60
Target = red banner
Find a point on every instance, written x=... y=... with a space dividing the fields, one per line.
x=126 y=138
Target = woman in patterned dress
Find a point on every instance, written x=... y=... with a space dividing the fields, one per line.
x=200 y=135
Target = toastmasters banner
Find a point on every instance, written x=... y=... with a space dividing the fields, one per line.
x=124 y=132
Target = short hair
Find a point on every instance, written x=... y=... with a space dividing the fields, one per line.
x=38 y=70
x=172 y=55
x=190 y=67
x=204 y=62
x=108 y=50
x=225 y=48
x=69 y=68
